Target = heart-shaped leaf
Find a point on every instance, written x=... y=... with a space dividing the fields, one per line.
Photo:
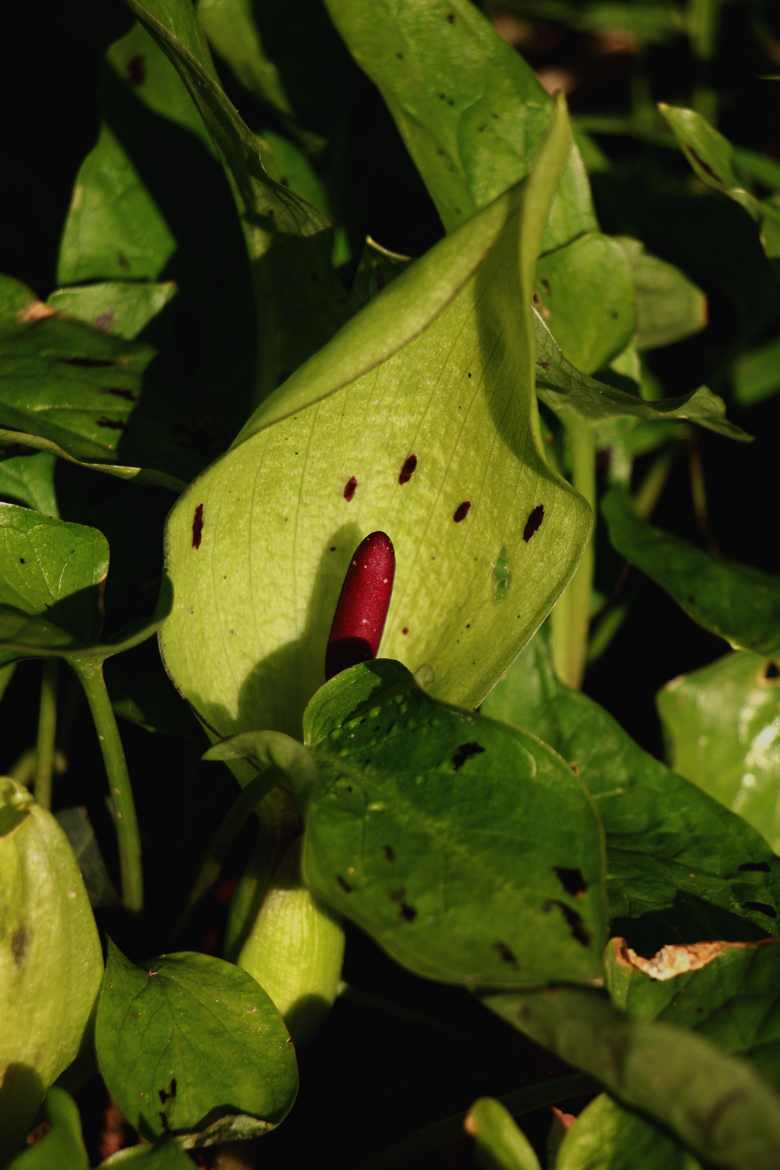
x=738 y=602
x=468 y=850
x=675 y=856
x=192 y=1045
x=722 y=729
x=419 y=420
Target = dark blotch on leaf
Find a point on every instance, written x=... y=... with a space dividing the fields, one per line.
x=346 y=887
x=19 y=941
x=771 y=671
x=350 y=488
x=572 y=880
x=136 y=70
x=408 y=469
x=464 y=752
x=461 y=512
x=534 y=521
x=389 y=853
x=505 y=953
x=112 y=424
x=118 y=392
x=169 y=1093
x=105 y=320
x=761 y=908
x=408 y=913
x=197 y=526
x=573 y=920
x=754 y=867
x=87 y=363
x=405 y=631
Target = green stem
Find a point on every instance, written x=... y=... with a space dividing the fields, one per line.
x=90 y=675
x=649 y=491
x=571 y=615
x=47 y=730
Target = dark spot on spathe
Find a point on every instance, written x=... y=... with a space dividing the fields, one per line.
x=464 y=752
x=197 y=526
x=572 y=880
x=461 y=512
x=136 y=70
x=408 y=469
x=350 y=487
x=505 y=953
x=534 y=521
x=19 y=942
x=573 y=920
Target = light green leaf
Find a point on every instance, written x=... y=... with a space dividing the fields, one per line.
x=669 y=307
x=192 y=1045
x=606 y=1136
x=498 y=1143
x=755 y=374
x=568 y=392
x=63 y=1145
x=466 y=849
x=440 y=365
x=712 y=1101
x=722 y=729
x=712 y=158
x=674 y=855
x=62 y=380
x=29 y=479
x=728 y=992
x=737 y=602
x=124 y=309
x=165 y=1155
x=234 y=31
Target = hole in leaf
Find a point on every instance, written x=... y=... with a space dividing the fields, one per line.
x=505 y=953
x=771 y=671
x=573 y=920
x=572 y=880
x=408 y=913
x=464 y=752
x=113 y=424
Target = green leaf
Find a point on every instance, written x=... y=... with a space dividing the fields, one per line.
x=712 y=1101
x=669 y=307
x=191 y=1045
x=674 y=854
x=63 y=1145
x=233 y=29
x=737 y=602
x=470 y=110
x=439 y=365
x=722 y=729
x=712 y=158
x=606 y=1136
x=50 y=960
x=287 y=239
x=123 y=309
x=728 y=992
x=755 y=375
x=62 y=380
x=29 y=479
x=76 y=825
x=498 y=1143
x=165 y=1155
x=466 y=849
x=585 y=294
x=127 y=471
x=569 y=392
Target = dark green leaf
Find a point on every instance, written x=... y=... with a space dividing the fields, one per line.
x=76 y=825
x=714 y=1102
x=192 y=1045
x=498 y=1143
x=668 y=305
x=165 y=1155
x=63 y=1145
x=468 y=850
x=728 y=992
x=738 y=602
x=712 y=158
x=29 y=479
x=755 y=374
x=673 y=853
x=722 y=728
x=606 y=1136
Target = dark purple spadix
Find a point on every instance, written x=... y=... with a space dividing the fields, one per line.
x=362 y=606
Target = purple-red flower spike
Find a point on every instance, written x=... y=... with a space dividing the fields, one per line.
x=362 y=606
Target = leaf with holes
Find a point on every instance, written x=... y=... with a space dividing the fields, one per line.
x=468 y=850
x=680 y=865
x=737 y=602
x=192 y=1045
x=417 y=420
x=722 y=730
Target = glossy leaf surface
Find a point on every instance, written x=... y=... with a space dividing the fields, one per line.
x=468 y=850
x=713 y=1101
x=258 y=548
x=738 y=602
x=722 y=729
x=191 y=1044
x=674 y=854
x=29 y=479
